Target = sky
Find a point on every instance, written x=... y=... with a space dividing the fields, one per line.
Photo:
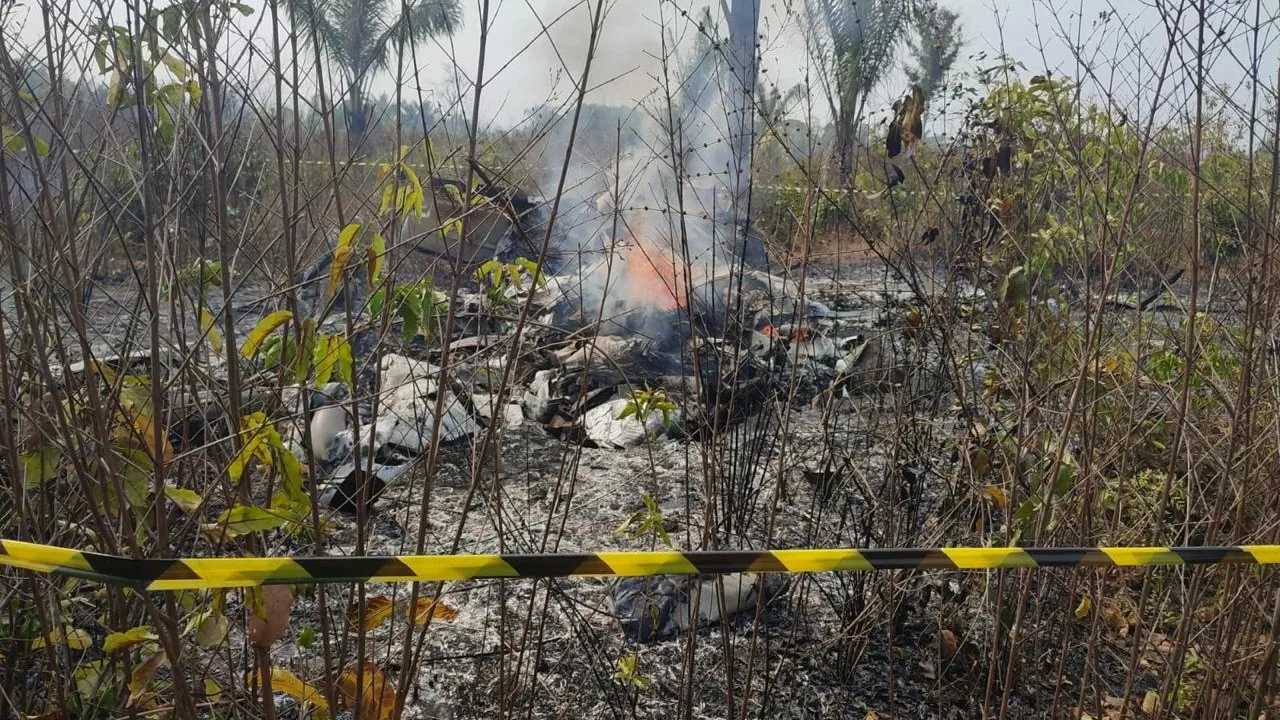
x=532 y=64
x=535 y=49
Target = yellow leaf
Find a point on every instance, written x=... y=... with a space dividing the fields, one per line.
x=209 y=326
x=997 y=496
x=1151 y=702
x=1086 y=604
x=78 y=640
x=286 y=682
x=342 y=255
x=377 y=609
x=127 y=639
x=212 y=690
x=145 y=429
x=326 y=357
x=377 y=254
x=212 y=630
x=256 y=436
x=113 y=92
x=88 y=677
x=346 y=364
x=243 y=519
x=73 y=638
x=430 y=608
x=265 y=327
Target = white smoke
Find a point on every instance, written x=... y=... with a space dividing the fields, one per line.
x=667 y=188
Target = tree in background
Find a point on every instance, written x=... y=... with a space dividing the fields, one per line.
x=854 y=42
x=773 y=105
x=934 y=46
x=363 y=37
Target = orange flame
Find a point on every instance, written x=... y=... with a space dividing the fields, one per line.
x=652 y=277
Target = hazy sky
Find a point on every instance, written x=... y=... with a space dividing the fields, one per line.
x=525 y=64
x=535 y=48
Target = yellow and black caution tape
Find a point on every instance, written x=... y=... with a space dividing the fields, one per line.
x=196 y=573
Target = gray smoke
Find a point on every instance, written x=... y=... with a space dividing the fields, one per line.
x=649 y=185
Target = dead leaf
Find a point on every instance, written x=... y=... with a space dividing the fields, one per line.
x=980 y=463
x=1115 y=620
x=949 y=644
x=431 y=608
x=269 y=620
x=377 y=609
x=377 y=697
x=1151 y=702
x=142 y=675
x=997 y=495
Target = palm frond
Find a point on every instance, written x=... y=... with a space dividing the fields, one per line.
x=420 y=20
x=313 y=21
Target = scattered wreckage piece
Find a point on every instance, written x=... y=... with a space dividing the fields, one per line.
x=617 y=424
x=402 y=429
x=660 y=607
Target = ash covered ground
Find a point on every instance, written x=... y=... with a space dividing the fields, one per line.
x=849 y=448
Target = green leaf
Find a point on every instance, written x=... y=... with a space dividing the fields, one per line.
x=133 y=636
x=100 y=57
x=265 y=327
x=409 y=318
x=325 y=358
x=306 y=352
x=171 y=23
x=1027 y=510
x=176 y=66
x=377 y=301
x=40 y=465
x=13 y=141
x=346 y=364
x=188 y=501
x=244 y=519
x=306 y=637
x=245 y=10
x=137 y=486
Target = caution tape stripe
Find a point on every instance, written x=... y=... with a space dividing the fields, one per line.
x=196 y=573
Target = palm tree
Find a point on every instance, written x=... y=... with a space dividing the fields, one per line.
x=363 y=37
x=934 y=45
x=773 y=104
x=855 y=42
